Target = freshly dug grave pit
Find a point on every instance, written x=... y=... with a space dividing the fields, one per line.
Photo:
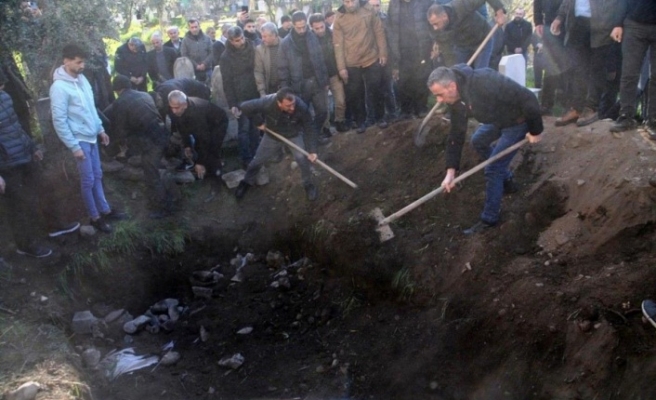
x=544 y=306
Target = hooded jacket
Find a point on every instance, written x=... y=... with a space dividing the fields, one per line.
x=16 y=147
x=490 y=98
x=74 y=114
x=358 y=37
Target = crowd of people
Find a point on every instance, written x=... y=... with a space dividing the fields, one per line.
x=378 y=68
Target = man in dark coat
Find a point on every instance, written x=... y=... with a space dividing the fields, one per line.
x=301 y=67
x=198 y=48
x=135 y=120
x=285 y=114
x=160 y=60
x=203 y=127
x=507 y=111
x=517 y=34
x=130 y=61
x=409 y=45
x=19 y=180
x=185 y=85
x=238 y=75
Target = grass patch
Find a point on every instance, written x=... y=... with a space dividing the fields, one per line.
x=404 y=284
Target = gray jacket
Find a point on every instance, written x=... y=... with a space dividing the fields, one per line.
x=263 y=68
x=198 y=49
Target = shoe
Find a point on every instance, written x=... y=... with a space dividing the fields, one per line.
x=480 y=226
x=341 y=126
x=101 y=225
x=362 y=128
x=651 y=129
x=35 y=251
x=588 y=116
x=241 y=190
x=623 y=123
x=510 y=187
x=570 y=117
x=311 y=192
x=114 y=215
x=382 y=124
x=649 y=311
x=65 y=229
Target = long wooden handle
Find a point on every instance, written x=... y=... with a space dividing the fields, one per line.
x=439 y=190
x=319 y=162
x=471 y=60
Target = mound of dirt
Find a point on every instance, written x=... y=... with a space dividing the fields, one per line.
x=544 y=306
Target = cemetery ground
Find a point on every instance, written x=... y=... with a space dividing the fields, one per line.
x=544 y=306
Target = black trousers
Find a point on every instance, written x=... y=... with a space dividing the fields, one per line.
x=413 y=93
x=364 y=87
x=20 y=203
x=638 y=41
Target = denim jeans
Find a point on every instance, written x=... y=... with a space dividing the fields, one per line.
x=498 y=171
x=248 y=137
x=638 y=39
x=93 y=194
x=463 y=54
x=269 y=148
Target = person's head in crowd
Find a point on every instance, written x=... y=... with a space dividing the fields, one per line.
x=519 y=14
x=437 y=17
x=299 y=22
x=236 y=37
x=211 y=32
x=157 y=41
x=173 y=33
x=329 y=18
x=177 y=102
x=286 y=22
x=442 y=84
x=249 y=26
x=134 y=44
x=269 y=32
x=286 y=100
x=120 y=83
x=224 y=30
x=194 y=26
x=259 y=22
x=74 y=57
x=318 y=24
x=351 y=6
x=376 y=5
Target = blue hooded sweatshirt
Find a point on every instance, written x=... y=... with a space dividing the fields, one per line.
x=74 y=113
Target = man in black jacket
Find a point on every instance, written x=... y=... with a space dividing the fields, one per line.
x=238 y=75
x=135 y=120
x=517 y=34
x=130 y=61
x=287 y=115
x=160 y=60
x=203 y=127
x=506 y=110
x=19 y=180
x=301 y=67
x=190 y=87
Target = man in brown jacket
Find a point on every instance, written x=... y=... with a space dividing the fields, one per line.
x=266 y=60
x=360 y=52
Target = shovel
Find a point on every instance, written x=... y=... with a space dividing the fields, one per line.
x=422 y=132
x=319 y=162
x=383 y=227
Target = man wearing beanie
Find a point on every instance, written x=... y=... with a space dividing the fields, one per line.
x=135 y=119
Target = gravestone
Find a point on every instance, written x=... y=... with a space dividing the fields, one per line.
x=514 y=67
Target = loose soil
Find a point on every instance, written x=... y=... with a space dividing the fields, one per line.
x=544 y=306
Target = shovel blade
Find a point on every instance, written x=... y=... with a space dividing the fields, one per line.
x=420 y=135
x=385 y=233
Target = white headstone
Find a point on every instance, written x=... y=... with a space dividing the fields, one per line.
x=514 y=67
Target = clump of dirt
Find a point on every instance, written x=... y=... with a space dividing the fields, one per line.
x=544 y=306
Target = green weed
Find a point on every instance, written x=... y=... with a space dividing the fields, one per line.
x=404 y=284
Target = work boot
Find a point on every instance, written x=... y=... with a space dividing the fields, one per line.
x=588 y=116
x=341 y=126
x=623 y=123
x=570 y=117
x=311 y=192
x=242 y=189
x=480 y=226
x=101 y=225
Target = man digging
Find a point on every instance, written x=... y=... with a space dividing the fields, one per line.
x=506 y=110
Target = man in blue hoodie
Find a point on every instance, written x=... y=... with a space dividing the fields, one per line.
x=507 y=111
x=77 y=124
